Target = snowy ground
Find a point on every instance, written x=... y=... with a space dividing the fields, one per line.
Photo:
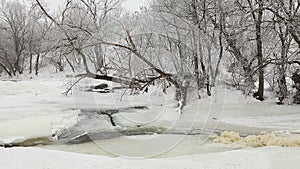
x=35 y=108
x=264 y=158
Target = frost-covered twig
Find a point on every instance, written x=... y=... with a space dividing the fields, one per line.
x=70 y=88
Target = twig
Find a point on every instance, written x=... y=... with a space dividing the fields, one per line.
x=121 y=98
x=70 y=88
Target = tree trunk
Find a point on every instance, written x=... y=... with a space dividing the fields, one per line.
x=260 y=52
x=197 y=74
x=196 y=65
x=204 y=72
x=30 y=63
x=210 y=74
x=6 y=70
x=99 y=54
x=70 y=64
x=282 y=67
x=217 y=71
x=37 y=64
x=296 y=79
x=282 y=86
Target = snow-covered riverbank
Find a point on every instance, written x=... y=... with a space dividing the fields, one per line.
x=263 y=158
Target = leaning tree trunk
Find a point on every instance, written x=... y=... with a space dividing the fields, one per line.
x=3 y=67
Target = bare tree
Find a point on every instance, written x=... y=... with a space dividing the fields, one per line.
x=180 y=43
x=14 y=28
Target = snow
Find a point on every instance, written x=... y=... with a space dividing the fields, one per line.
x=263 y=158
x=31 y=109
x=36 y=108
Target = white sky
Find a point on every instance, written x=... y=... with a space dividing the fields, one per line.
x=134 y=5
x=131 y=5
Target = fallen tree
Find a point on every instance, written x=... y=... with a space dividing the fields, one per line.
x=133 y=83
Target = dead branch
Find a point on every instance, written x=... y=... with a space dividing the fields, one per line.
x=70 y=88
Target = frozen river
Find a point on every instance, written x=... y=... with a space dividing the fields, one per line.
x=154 y=146
x=36 y=109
